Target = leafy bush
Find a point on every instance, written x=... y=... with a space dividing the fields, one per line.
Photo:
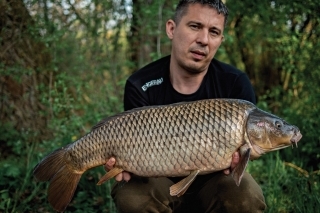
x=80 y=80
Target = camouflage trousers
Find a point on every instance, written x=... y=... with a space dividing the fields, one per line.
x=212 y=193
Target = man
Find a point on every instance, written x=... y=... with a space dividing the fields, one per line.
x=190 y=73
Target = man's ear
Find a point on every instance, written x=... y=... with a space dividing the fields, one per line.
x=170 y=27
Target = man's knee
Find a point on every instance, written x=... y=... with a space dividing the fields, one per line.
x=125 y=201
x=221 y=194
x=138 y=196
x=247 y=197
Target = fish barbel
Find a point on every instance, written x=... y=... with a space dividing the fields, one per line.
x=182 y=139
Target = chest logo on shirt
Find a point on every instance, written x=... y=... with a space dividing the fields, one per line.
x=152 y=83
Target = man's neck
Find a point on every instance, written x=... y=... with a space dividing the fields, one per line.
x=184 y=82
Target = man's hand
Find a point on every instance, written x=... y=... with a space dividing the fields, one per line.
x=234 y=162
x=120 y=177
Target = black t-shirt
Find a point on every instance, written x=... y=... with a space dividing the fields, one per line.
x=151 y=85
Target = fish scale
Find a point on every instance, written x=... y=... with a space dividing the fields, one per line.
x=183 y=139
x=141 y=143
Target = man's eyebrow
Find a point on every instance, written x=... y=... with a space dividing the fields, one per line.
x=195 y=22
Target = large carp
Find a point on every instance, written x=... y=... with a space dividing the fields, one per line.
x=182 y=139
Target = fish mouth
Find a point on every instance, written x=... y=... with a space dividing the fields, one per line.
x=294 y=142
x=296 y=138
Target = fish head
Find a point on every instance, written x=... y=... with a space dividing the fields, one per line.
x=267 y=132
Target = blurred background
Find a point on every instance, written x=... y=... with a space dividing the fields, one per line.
x=64 y=63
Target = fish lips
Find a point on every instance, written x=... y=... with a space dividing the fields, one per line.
x=296 y=138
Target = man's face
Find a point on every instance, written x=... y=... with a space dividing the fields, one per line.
x=196 y=38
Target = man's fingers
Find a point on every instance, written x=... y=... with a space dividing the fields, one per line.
x=123 y=176
x=226 y=171
x=235 y=160
x=119 y=177
x=126 y=176
x=110 y=163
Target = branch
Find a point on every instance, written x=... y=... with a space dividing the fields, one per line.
x=77 y=14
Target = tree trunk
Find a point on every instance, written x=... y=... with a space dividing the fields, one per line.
x=22 y=69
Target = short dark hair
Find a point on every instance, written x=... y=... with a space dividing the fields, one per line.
x=182 y=6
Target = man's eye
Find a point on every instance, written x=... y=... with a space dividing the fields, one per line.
x=195 y=27
x=214 y=33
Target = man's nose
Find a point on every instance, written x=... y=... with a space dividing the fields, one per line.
x=203 y=37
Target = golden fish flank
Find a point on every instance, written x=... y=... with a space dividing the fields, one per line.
x=183 y=139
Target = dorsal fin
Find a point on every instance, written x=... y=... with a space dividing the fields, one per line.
x=103 y=121
x=113 y=117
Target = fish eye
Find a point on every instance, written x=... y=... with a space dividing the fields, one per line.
x=278 y=124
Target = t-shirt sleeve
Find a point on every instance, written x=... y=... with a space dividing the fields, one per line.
x=133 y=97
x=243 y=89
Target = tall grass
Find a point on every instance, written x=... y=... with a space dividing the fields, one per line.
x=287 y=187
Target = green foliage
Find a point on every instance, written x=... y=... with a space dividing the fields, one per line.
x=275 y=43
x=286 y=188
x=84 y=84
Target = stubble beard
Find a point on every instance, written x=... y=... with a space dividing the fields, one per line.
x=192 y=68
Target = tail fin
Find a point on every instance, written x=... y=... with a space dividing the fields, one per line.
x=63 y=179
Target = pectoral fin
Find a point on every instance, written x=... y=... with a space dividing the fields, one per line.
x=181 y=187
x=113 y=172
x=238 y=171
